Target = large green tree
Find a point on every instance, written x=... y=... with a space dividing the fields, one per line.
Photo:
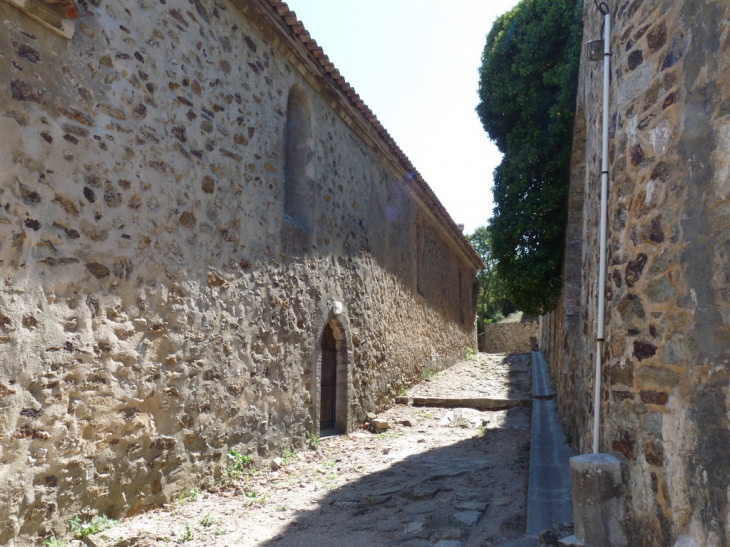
x=492 y=301
x=527 y=87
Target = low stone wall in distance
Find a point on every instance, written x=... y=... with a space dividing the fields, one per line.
x=511 y=335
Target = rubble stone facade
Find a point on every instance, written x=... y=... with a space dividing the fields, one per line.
x=509 y=335
x=188 y=198
x=665 y=401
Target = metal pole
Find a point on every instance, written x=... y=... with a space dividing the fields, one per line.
x=604 y=206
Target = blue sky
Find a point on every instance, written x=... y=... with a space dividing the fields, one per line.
x=414 y=63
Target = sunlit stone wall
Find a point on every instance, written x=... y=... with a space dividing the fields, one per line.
x=156 y=308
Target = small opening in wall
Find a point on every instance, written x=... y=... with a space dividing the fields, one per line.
x=420 y=241
x=299 y=160
x=461 y=298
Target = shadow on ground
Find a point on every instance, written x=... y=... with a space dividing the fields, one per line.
x=438 y=476
x=519 y=372
x=472 y=491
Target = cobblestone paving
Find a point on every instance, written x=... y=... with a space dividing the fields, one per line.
x=486 y=375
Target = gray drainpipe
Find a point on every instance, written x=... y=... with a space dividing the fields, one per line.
x=604 y=204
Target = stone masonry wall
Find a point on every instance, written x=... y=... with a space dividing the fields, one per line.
x=156 y=309
x=509 y=337
x=665 y=394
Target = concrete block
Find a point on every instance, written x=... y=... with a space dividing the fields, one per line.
x=598 y=505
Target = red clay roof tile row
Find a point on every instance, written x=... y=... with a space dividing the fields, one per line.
x=316 y=51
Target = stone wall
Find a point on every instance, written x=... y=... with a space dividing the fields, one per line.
x=509 y=336
x=665 y=392
x=156 y=308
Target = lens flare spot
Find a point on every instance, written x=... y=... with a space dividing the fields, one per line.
x=392 y=213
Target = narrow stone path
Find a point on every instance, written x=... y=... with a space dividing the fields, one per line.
x=449 y=477
x=487 y=375
x=484 y=383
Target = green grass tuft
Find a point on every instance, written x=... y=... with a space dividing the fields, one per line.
x=80 y=530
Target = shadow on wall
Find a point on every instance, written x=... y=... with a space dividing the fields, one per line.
x=150 y=322
x=422 y=496
x=136 y=348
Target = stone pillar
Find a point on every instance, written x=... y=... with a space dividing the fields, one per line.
x=598 y=504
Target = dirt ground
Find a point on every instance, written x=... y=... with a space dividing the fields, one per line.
x=444 y=477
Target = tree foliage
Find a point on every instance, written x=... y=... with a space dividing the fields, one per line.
x=527 y=88
x=492 y=301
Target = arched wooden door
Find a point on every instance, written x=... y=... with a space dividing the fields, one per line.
x=328 y=391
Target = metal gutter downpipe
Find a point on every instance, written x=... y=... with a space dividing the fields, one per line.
x=604 y=206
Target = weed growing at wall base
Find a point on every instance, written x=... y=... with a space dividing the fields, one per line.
x=427 y=373
x=238 y=464
x=80 y=530
x=193 y=495
x=286 y=455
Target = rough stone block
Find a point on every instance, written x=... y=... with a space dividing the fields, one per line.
x=469 y=518
x=571 y=541
x=598 y=500
x=514 y=334
x=526 y=541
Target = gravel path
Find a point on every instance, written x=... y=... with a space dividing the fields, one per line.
x=443 y=477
